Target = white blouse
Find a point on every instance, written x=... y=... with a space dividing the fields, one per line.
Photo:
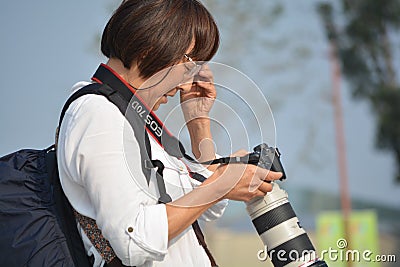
x=101 y=174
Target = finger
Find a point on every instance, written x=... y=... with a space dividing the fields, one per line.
x=265 y=187
x=205 y=75
x=206 y=87
x=268 y=175
x=271 y=176
x=259 y=193
x=240 y=153
x=205 y=80
x=205 y=71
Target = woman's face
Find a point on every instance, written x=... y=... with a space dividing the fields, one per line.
x=168 y=82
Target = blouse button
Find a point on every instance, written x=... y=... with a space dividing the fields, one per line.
x=130 y=229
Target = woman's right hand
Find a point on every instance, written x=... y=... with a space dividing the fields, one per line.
x=243 y=182
x=234 y=181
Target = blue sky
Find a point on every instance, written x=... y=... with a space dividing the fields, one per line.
x=47 y=46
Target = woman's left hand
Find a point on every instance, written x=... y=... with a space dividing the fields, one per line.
x=197 y=101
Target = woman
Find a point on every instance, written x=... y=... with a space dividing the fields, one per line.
x=151 y=46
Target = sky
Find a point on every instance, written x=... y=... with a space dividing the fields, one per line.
x=47 y=46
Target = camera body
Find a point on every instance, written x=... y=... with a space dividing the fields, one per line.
x=268 y=158
x=286 y=242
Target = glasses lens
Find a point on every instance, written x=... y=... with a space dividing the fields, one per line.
x=194 y=69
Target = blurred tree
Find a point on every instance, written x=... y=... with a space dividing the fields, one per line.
x=367 y=43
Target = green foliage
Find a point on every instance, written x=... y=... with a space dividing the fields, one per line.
x=365 y=46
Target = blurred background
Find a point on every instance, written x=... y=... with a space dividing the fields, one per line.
x=330 y=71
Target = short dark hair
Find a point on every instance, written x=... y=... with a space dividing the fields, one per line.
x=157 y=33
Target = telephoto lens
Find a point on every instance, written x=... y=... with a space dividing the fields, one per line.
x=286 y=242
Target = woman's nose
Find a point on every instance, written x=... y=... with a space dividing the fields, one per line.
x=172 y=92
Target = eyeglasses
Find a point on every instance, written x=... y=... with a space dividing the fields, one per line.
x=194 y=69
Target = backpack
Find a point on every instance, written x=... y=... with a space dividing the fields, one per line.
x=37 y=225
x=37 y=222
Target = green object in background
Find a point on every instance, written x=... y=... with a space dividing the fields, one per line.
x=360 y=247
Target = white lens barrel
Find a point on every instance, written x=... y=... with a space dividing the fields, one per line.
x=281 y=233
x=287 y=243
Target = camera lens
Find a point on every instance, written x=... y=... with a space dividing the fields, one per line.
x=276 y=223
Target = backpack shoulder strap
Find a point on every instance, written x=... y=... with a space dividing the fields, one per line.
x=121 y=103
x=92 y=88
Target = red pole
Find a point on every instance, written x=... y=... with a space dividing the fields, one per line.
x=340 y=142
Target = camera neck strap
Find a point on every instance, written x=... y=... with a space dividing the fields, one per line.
x=137 y=107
